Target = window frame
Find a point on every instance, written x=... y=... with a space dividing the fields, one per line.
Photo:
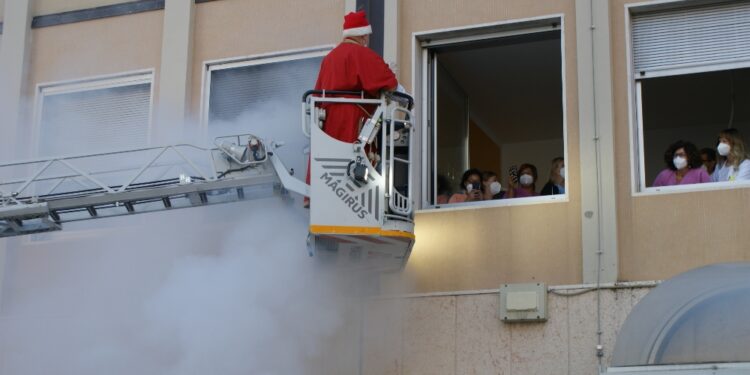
x=135 y=77
x=130 y=78
x=210 y=66
x=635 y=104
x=422 y=42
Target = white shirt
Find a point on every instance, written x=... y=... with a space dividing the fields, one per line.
x=724 y=172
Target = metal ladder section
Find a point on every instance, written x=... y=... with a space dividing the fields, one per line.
x=56 y=190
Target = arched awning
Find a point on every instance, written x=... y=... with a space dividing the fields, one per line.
x=699 y=317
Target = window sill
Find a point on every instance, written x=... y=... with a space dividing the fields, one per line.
x=560 y=198
x=678 y=189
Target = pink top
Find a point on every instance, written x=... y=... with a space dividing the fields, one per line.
x=668 y=177
x=520 y=192
x=458 y=198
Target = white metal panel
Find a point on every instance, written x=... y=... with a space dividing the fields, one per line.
x=691 y=37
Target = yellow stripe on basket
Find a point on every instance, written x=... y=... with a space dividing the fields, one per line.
x=361 y=231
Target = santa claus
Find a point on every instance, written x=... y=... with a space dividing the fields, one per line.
x=352 y=66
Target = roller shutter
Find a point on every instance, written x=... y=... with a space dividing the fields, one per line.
x=703 y=36
x=96 y=120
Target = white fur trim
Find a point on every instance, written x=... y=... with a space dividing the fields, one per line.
x=358 y=31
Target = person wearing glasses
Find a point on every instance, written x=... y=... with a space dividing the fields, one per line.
x=684 y=166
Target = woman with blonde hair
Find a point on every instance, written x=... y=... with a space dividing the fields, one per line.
x=556 y=183
x=735 y=165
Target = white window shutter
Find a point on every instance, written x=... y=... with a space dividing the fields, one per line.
x=96 y=120
x=701 y=36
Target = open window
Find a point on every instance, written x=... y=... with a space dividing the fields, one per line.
x=691 y=80
x=495 y=102
x=262 y=96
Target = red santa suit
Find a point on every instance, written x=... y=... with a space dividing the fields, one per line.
x=352 y=67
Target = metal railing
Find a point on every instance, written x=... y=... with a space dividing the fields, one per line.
x=36 y=184
x=400 y=203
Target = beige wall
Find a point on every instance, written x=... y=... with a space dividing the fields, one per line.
x=235 y=28
x=661 y=236
x=481 y=248
x=93 y=48
x=42 y=7
x=461 y=334
x=103 y=46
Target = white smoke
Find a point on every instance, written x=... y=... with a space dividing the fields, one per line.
x=225 y=289
x=237 y=296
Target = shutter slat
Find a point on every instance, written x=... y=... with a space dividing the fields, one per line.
x=707 y=35
x=95 y=120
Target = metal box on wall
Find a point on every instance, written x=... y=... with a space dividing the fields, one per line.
x=523 y=302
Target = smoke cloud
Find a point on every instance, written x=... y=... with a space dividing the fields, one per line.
x=225 y=289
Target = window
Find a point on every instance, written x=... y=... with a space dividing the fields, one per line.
x=87 y=117
x=691 y=78
x=263 y=96
x=495 y=102
x=91 y=116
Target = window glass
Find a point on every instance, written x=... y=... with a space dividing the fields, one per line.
x=497 y=106
x=695 y=109
x=265 y=99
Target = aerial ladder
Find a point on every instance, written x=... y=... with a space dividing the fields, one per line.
x=361 y=211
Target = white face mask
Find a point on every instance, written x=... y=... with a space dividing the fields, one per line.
x=562 y=172
x=679 y=162
x=526 y=179
x=495 y=188
x=723 y=149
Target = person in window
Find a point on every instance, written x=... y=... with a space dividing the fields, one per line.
x=471 y=187
x=443 y=190
x=556 y=183
x=708 y=156
x=684 y=166
x=491 y=186
x=735 y=165
x=526 y=184
x=352 y=66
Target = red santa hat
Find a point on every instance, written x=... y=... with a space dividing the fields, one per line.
x=355 y=24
